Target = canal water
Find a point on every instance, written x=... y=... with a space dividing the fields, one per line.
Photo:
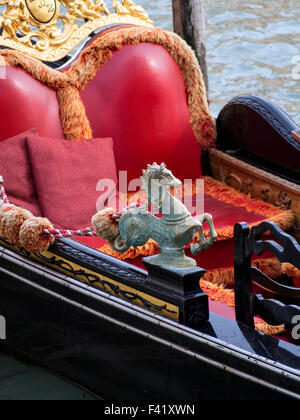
x=23 y=381
x=253 y=47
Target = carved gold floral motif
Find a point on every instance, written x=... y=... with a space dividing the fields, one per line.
x=40 y=29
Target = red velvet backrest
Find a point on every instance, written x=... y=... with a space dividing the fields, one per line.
x=26 y=103
x=139 y=99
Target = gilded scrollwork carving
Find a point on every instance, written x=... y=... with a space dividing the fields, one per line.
x=40 y=29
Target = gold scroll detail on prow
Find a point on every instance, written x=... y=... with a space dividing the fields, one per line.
x=120 y=290
x=39 y=29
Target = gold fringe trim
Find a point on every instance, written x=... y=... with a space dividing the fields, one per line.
x=151 y=248
x=267 y=329
x=218 y=293
x=68 y=85
x=225 y=276
x=290 y=271
x=227 y=297
x=285 y=219
x=52 y=78
x=220 y=277
x=73 y=116
x=84 y=69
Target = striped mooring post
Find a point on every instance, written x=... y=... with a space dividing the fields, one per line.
x=189 y=23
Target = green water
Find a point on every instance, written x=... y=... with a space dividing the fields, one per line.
x=251 y=46
x=22 y=381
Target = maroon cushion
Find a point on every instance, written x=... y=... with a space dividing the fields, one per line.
x=66 y=175
x=16 y=171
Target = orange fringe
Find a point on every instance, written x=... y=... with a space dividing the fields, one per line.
x=151 y=248
x=227 y=297
x=285 y=219
x=267 y=329
x=39 y=71
x=218 y=293
x=99 y=52
x=73 y=116
x=225 y=276
x=68 y=85
x=290 y=270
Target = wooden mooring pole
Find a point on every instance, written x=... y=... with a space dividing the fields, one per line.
x=189 y=23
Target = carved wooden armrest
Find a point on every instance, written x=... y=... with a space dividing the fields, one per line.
x=257 y=183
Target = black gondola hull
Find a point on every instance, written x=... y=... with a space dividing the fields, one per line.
x=121 y=351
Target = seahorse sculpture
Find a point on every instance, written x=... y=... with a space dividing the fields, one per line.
x=172 y=231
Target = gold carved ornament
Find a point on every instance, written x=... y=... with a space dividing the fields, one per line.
x=41 y=29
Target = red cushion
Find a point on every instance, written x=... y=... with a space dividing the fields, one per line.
x=16 y=171
x=66 y=174
x=139 y=99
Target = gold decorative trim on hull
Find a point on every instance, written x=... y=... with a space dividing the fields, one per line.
x=40 y=29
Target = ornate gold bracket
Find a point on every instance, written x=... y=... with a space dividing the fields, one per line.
x=40 y=29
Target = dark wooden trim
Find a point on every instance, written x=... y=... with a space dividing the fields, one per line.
x=288 y=251
x=121 y=351
x=178 y=291
x=189 y=24
x=242 y=274
x=277 y=311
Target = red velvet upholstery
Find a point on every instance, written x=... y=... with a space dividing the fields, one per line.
x=139 y=99
x=27 y=103
x=67 y=184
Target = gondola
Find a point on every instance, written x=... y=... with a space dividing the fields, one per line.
x=105 y=299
